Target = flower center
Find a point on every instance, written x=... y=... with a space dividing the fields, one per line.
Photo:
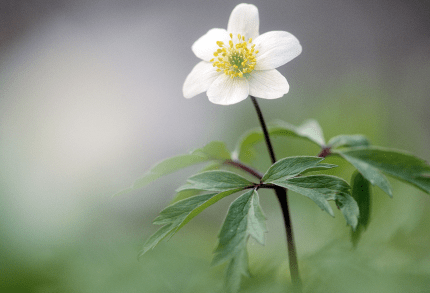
x=236 y=60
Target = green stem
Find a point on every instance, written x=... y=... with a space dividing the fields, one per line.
x=281 y=194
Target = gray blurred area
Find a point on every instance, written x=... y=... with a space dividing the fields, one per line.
x=91 y=97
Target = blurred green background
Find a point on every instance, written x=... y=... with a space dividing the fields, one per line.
x=90 y=98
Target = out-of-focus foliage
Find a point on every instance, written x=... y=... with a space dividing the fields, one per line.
x=392 y=255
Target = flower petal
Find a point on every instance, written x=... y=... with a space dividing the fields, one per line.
x=267 y=84
x=227 y=91
x=199 y=79
x=206 y=45
x=275 y=49
x=244 y=20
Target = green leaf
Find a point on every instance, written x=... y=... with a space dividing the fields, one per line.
x=214 y=165
x=362 y=195
x=361 y=192
x=399 y=164
x=175 y=216
x=370 y=173
x=309 y=130
x=293 y=166
x=348 y=141
x=236 y=268
x=349 y=208
x=321 y=189
x=216 y=181
x=155 y=238
x=168 y=166
x=244 y=218
x=319 y=167
x=215 y=150
x=245 y=151
x=184 y=194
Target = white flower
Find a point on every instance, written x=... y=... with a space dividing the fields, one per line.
x=238 y=62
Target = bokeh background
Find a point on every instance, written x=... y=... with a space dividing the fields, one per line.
x=91 y=97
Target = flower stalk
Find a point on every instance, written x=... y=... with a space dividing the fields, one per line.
x=281 y=194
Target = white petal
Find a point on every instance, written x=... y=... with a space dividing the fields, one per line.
x=244 y=20
x=227 y=91
x=206 y=45
x=275 y=49
x=199 y=79
x=267 y=84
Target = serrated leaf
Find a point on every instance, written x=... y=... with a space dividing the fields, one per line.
x=348 y=141
x=309 y=130
x=216 y=181
x=321 y=189
x=399 y=164
x=175 y=216
x=236 y=268
x=349 y=208
x=362 y=194
x=293 y=166
x=215 y=150
x=244 y=218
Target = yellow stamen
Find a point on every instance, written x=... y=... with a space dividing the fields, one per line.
x=236 y=59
